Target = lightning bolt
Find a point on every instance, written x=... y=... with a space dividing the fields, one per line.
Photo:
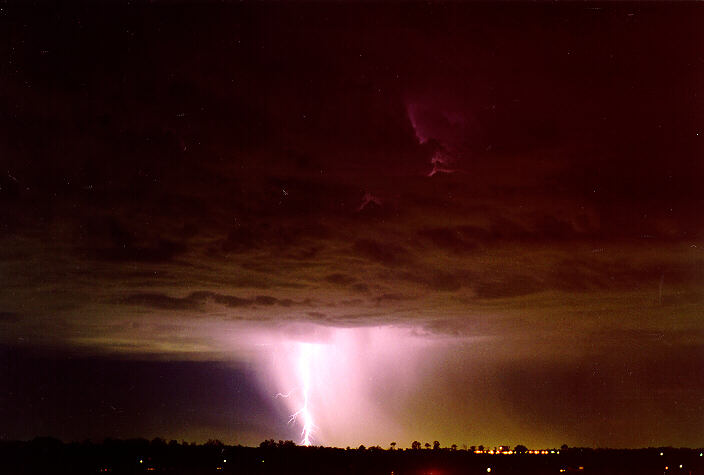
x=304 y=415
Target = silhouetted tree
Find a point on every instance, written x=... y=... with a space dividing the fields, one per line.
x=267 y=444
x=427 y=445
x=415 y=445
x=393 y=445
x=520 y=449
x=158 y=442
x=481 y=447
x=361 y=447
x=472 y=448
x=436 y=445
x=47 y=455
x=564 y=447
x=45 y=444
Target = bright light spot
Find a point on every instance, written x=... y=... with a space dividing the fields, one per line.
x=224 y=461
x=141 y=461
x=304 y=369
x=680 y=466
x=661 y=454
x=488 y=469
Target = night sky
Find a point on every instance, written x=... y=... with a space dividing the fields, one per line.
x=485 y=222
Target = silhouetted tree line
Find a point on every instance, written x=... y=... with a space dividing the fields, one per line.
x=281 y=444
x=134 y=456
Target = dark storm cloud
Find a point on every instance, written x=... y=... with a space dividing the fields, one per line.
x=340 y=279
x=361 y=288
x=162 y=301
x=196 y=300
x=533 y=228
x=244 y=238
x=199 y=156
x=454 y=239
x=395 y=297
x=10 y=317
x=511 y=286
x=437 y=279
x=588 y=273
x=683 y=298
x=123 y=249
x=384 y=253
x=574 y=275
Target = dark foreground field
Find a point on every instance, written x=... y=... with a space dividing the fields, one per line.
x=50 y=456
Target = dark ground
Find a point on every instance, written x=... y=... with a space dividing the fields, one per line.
x=50 y=456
